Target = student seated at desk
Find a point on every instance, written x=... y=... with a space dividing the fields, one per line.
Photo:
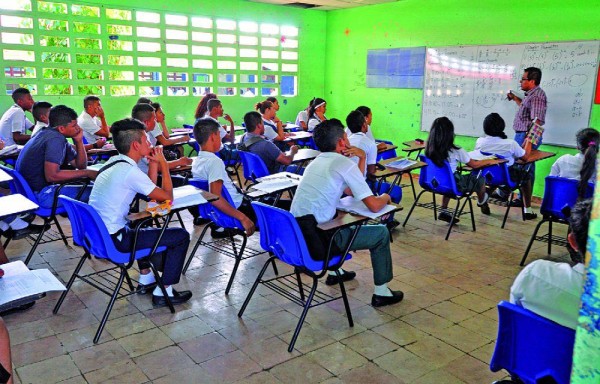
x=330 y=175
x=118 y=182
x=214 y=110
x=357 y=125
x=495 y=141
x=92 y=120
x=302 y=117
x=581 y=166
x=551 y=289
x=42 y=158
x=208 y=166
x=158 y=131
x=316 y=113
x=40 y=112
x=273 y=126
x=368 y=114
x=254 y=142
x=14 y=123
x=440 y=148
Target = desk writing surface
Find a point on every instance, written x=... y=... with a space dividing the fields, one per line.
x=389 y=171
x=345 y=219
x=16 y=203
x=144 y=214
x=305 y=154
x=413 y=145
x=4 y=176
x=108 y=149
x=536 y=155
x=301 y=135
x=388 y=147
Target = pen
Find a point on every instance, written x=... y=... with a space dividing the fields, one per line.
x=293 y=177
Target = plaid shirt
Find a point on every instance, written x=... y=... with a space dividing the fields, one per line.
x=533 y=105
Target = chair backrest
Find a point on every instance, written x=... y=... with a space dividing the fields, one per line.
x=89 y=231
x=532 y=347
x=498 y=174
x=281 y=235
x=387 y=154
x=559 y=193
x=438 y=179
x=212 y=213
x=18 y=184
x=254 y=166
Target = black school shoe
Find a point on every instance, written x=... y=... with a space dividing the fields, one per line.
x=485 y=209
x=177 y=298
x=444 y=216
x=382 y=301
x=346 y=276
x=529 y=216
x=31 y=229
x=142 y=289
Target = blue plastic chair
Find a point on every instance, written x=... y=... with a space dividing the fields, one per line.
x=560 y=195
x=280 y=235
x=387 y=154
x=89 y=232
x=254 y=166
x=532 y=348
x=19 y=185
x=212 y=213
x=440 y=180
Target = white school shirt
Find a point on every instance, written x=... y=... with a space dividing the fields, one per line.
x=369 y=133
x=456 y=156
x=270 y=129
x=222 y=131
x=302 y=116
x=38 y=125
x=361 y=141
x=208 y=166
x=507 y=148
x=115 y=189
x=13 y=120
x=550 y=289
x=90 y=126
x=568 y=166
x=323 y=183
x=153 y=134
x=313 y=122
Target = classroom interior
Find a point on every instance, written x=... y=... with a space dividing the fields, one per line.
x=445 y=329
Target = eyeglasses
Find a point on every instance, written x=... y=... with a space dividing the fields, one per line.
x=524 y=80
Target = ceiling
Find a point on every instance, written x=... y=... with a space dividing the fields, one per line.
x=324 y=4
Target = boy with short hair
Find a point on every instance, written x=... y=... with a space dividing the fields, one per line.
x=14 y=123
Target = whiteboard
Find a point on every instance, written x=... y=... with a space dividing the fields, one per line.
x=466 y=83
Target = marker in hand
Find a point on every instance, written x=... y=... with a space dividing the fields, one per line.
x=510 y=95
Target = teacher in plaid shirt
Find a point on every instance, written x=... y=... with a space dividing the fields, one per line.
x=532 y=106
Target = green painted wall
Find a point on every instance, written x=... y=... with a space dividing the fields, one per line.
x=180 y=110
x=411 y=23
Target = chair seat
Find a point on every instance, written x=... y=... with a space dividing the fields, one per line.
x=123 y=257
x=315 y=265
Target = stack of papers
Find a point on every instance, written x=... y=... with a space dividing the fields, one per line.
x=401 y=164
x=357 y=207
x=19 y=282
x=275 y=185
x=187 y=196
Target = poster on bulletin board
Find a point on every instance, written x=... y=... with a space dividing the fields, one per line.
x=396 y=68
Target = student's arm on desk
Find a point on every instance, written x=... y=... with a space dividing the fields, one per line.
x=286 y=159
x=215 y=188
x=20 y=138
x=162 y=140
x=376 y=203
x=480 y=163
x=156 y=160
x=182 y=161
x=54 y=174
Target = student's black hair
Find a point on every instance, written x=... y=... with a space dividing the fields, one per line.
x=588 y=140
x=202 y=107
x=252 y=120
x=142 y=112
x=203 y=129
x=125 y=132
x=534 y=74
x=40 y=108
x=262 y=106
x=440 y=141
x=143 y=100
x=272 y=99
x=89 y=100
x=19 y=93
x=579 y=221
x=212 y=103
x=355 y=121
x=156 y=106
x=366 y=111
x=493 y=125
x=61 y=116
x=313 y=106
x=327 y=134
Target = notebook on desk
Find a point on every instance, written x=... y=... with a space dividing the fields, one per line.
x=351 y=205
x=401 y=164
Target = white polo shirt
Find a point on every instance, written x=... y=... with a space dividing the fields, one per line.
x=302 y=116
x=153 y=134
x=456 y=156
x=13 y=120
x=361 y=141
x=313 y=122
x=550 y=289
x=208 y=166
x=507 y=148
x=323 y=184
x=369 y=133
x=36 y=128
x=568 y=166
x=270 y=129
x=115 y=189
x=90 y=126
x=222 y=131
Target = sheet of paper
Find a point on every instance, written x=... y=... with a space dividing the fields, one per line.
x=477 y=155
x=281 y=175
x=9 y=149
x=350 y=204
x=401 y=164
x=275 y=185
x=17 y=284
x=187 y=196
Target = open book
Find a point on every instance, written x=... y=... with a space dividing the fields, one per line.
x=19 y=282
x=357 y=207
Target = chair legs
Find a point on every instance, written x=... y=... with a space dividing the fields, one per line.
x=109 y=307
x=238 y=259
x=189 y=260
x=412 y=208
x=304 y=313
x=36 y=243
x=62 y=234
x=70 y=283
x=345 y=299
x=533 y=236
x=255 y=285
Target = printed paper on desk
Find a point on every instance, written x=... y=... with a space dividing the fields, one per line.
x=351 y=205
x=275 y=185
x=401 y=164
x=19 y=282
x=280 y=175
x=187 y=196
x=9 y=149
x=477 y=155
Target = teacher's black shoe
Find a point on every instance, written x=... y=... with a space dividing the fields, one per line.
x=382 y=301
x=177 y=298
x=346 y=276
